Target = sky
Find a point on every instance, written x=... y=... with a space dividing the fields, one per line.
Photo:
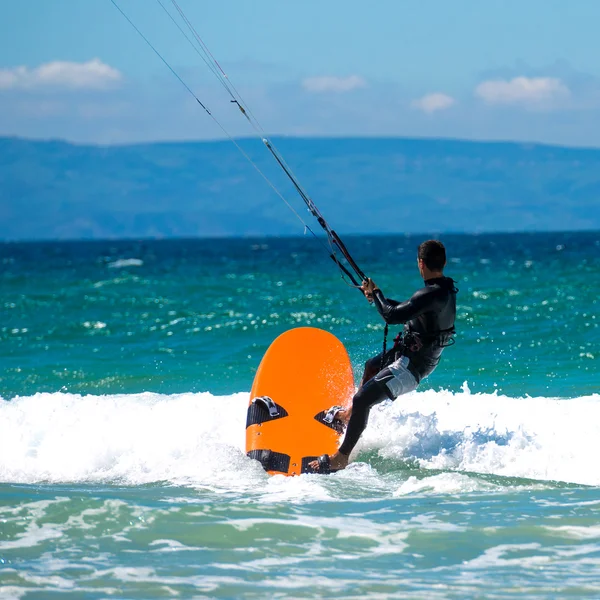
x=523 y=70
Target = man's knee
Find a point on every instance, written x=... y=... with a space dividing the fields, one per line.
x=372 y=367
x=374 y=391
x=372 y=363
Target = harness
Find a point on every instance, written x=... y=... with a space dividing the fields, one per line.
x=413 y=341
x=409 y=342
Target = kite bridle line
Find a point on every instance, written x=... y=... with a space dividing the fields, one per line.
x=351 y=270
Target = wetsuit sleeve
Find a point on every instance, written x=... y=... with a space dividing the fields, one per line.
x=395 y=313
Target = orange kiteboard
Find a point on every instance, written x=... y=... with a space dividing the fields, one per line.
x=302 y=375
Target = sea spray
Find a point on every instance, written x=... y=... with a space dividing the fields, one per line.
x=197 y=439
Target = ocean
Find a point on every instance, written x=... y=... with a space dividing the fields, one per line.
x=125 y=373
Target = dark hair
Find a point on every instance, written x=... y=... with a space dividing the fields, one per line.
x=433 y=254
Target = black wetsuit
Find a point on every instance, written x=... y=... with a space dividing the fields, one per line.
x=429 y=325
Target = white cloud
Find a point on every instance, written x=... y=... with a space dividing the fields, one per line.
x=93 y=74
x=333 y=84
x=522 y=90
x=431 y=103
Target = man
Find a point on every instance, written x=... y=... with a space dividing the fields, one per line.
x=428 y=319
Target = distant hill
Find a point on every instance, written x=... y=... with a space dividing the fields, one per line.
x=57 y=190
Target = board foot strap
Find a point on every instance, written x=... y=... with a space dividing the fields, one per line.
x=325 y=467
x=328 y=418
x=262 y=409
x=271 y=461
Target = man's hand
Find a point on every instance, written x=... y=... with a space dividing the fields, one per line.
x=368 y=287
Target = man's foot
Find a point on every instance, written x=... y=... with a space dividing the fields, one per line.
x=344 y=416
x=338 y=413
x=337 y=462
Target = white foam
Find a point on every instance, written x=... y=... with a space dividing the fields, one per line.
x=12 y=592
x=384 y=538
x=198 y=440
x=135 y=439
x=506 y=555
x=576 y=532
x=33 y=534
x=444 y=483
x=537 y=438
x=125 y=262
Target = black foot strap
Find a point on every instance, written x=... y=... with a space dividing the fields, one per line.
x=329 y=418
x=324 y=465
x=271 y=461
x=262 y=409
x=331 y=414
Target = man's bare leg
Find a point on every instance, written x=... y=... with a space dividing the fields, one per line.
x=338 y=461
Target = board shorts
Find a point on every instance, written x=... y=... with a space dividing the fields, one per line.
x=397 y=377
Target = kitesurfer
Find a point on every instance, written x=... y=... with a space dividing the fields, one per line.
x=428 y=318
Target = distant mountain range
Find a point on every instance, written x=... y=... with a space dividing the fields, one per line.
x=58 y=190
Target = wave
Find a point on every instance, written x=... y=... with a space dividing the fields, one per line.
x=198 y=439
x=548 y=439
x=125 y=262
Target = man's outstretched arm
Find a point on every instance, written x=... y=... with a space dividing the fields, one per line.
x=396 y=313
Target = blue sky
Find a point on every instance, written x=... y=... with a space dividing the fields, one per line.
x=473 y=69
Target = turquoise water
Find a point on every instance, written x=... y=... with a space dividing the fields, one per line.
x=126 y=368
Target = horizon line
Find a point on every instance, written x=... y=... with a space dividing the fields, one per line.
x=298 y=236
x=312 y=137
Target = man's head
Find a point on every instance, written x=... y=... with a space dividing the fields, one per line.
x=431 y=258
